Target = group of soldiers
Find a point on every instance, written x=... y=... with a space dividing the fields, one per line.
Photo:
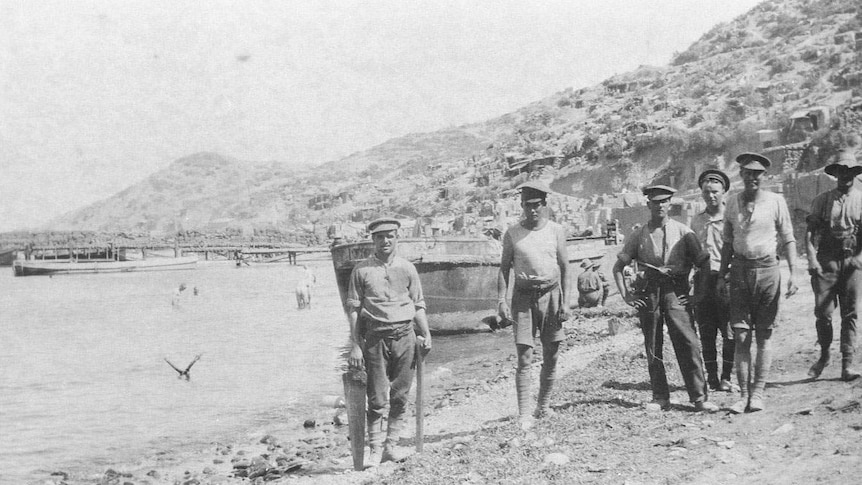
x=731 y=253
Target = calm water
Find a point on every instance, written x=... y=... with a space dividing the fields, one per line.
x=84 y=383
x=84 y=380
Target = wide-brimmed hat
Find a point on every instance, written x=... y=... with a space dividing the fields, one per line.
x=383 y=224
x=846 y=161
x=753 y=161
x=714 y=175
x=586 y=263
x=658 y=192
x=534 y=191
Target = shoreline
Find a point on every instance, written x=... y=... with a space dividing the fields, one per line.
x=460 y=395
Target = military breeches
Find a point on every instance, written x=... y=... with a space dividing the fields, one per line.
x=839 y=284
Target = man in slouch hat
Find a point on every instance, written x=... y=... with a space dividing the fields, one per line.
x=384 y=300
x=835 y=262
x=756 y=224
x=711 y=300
x=666 y=250
x=592 y=285
x=534 y=250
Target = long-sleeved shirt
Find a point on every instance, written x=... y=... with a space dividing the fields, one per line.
x=386 y=292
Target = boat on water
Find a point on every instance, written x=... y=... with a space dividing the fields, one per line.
x=458 y=274
x=34 y=267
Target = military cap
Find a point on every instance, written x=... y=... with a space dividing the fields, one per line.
x=753 y=161
x=586 y=263
x=714 y=175
x=383 y=224
x=534 y=191
x=846 y=160
x=658 y=192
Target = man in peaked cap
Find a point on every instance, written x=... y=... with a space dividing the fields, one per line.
x=384 y=300
x=592 y=285
x=712 y=305
x=835 y=262
x=756 y=223
x=534 y=250
x=666 y=250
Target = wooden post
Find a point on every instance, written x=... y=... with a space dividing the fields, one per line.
x=420 y=392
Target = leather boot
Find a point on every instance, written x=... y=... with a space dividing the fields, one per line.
x=375 y=442
x=847 y=371
x=817 y=369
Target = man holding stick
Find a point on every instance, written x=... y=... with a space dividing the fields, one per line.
x=384 y=300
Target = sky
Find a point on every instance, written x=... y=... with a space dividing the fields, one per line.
x=97 y=95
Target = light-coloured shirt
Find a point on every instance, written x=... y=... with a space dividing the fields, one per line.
x=590 y=281
x=673 y=245
x=708 y=228
x=755 y=228
x=534 y=253
x=385 y=292
x=836 y=213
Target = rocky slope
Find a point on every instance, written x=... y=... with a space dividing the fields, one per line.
x=655 y=124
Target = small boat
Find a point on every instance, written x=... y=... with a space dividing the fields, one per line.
x=458 y=274
x=33 y=267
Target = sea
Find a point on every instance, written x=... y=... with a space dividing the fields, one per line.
x=84 y=381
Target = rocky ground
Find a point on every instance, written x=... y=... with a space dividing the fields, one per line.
x=601 y=432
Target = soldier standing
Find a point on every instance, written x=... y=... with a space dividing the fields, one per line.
x=711 y=301
x=835 y=262
x=667 y=249
x=384 y=300
x=535 y=252
x=754 y=222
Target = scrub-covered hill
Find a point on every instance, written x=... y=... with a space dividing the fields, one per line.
x=735 y=89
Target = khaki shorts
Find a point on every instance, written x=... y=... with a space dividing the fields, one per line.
x=537 y=314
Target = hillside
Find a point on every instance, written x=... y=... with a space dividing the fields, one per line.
x=735 y=87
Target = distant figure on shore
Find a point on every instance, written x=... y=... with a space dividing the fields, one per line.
x=184 y=373
x=593 y=287
x=175 y=301
x=195 y=291
x=304 y=287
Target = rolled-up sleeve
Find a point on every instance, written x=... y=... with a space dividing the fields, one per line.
x=630 y=247
x=354 y=296
x=415 y=288
x=814 y=219
x=785 y=223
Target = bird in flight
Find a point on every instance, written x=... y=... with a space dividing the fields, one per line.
x=184 y=373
